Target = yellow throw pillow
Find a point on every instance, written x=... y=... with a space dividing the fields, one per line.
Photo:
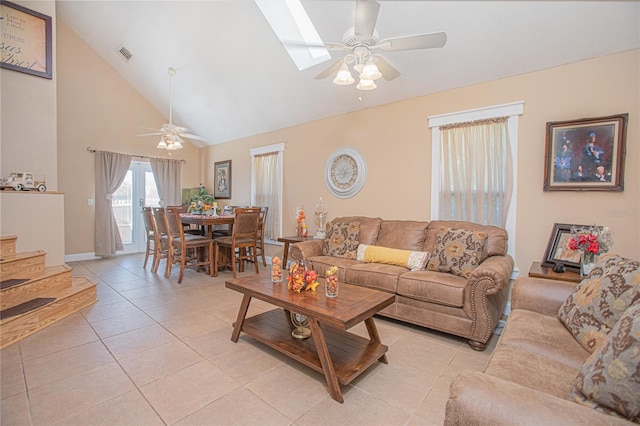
x=414 y=260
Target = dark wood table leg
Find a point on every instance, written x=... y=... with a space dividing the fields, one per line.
x=325 y=360
x=242 y=313
x=285 y=254
x=373 y=334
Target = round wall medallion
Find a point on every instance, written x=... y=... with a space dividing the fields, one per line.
x=345 y=172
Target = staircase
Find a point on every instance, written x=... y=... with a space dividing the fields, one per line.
x=33 y=296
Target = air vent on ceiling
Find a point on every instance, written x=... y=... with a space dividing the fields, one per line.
x=124 y=53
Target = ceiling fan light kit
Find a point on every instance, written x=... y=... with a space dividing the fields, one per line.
x=362 y=39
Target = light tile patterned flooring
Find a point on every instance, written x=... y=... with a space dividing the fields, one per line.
x=152 y=352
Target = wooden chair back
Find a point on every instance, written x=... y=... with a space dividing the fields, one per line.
x=243 y=240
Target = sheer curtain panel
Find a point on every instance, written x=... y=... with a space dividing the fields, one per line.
x=111 y=169
x=266 y=170
x=476 y=172
x=167 y=176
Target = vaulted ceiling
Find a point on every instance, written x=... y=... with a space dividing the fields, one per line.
x=235 y=79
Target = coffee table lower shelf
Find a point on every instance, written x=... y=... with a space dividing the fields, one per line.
x=350 y=354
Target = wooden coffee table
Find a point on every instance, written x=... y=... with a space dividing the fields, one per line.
x=341 y=356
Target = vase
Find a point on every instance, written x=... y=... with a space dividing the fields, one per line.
x=331 y=282
x=587 y=262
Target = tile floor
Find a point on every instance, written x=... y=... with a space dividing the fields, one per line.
x=152 y=352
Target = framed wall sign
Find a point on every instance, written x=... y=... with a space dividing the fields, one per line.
x=25 y=40
x=222 y=179
x=586 y=154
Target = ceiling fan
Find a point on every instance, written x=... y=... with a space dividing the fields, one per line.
x=171 y=134
x=362 y=40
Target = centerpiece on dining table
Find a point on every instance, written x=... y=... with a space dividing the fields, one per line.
x=202 y=203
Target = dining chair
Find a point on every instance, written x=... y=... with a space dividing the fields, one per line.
x=242 y=242
x=260 y=240
x=150 y=232
x=184 y=248
x=161 y=241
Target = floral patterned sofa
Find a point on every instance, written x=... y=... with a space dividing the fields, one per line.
x=567 y=355
x=447 y=275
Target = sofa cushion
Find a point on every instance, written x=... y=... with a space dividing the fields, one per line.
x=609 y=381
x=402 y=234
x=321 y=263
x=543 y=335
x=431 y=286
x=414 y=260
x=600 y=300
x=369 y=227
x=531 y=370
x=375 y=275
x=342 y=239
x=457 y=251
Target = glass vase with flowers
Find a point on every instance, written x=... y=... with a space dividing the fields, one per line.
x=591 y=241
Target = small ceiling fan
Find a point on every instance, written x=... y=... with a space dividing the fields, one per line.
x=362 y=40
x=171 y=134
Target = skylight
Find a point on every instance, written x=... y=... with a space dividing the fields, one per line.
x=292 y=25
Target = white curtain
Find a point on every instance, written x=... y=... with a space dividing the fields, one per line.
x=111 y=169
x=167 y=176
x=476 y=172
x=266 y=169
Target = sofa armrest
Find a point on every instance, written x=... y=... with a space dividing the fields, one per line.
x=480 y=399
x=540 y=295
x=489 y=278
x=305 y=249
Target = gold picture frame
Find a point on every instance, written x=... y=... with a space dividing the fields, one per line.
x=586 y=154
x=26 y=40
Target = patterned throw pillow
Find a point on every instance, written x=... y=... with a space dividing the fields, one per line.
x=609 y=380
x=592 y=310
x=341 y=240
x=458 y=251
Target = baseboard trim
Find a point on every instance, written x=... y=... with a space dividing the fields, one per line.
x=80 y=256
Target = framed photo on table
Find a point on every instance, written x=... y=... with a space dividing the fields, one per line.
x=26 y=40
x=222 y=180
x=558 y=250
x=586 y=154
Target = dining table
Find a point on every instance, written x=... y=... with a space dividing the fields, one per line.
x=207 y=221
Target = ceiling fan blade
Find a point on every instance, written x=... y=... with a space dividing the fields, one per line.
x=327 y=45
x=330 y=70
x=194 y=137
x=151 y=134
x=366 y=17
x=386 y=69
x=418 y=41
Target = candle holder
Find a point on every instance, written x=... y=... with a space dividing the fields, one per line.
x=321 y=209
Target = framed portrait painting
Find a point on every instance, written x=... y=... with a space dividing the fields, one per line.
x=586 y=154
x=558 y=250
x=222 y=179
x=26 y=40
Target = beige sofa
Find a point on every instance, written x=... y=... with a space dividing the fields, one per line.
x=530 y=375
x=468 y=307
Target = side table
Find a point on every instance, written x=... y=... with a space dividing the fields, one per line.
x=539 y=271
x=287 y=241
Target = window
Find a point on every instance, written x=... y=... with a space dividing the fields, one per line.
x=266 y=186
x=474 y=172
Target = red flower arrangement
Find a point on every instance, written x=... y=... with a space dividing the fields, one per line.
x=593 y=239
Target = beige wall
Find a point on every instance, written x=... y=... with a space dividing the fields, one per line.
x=97 y=108
x=396 y=144
x=28 y=143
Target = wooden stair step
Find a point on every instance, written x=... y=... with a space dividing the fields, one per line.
x=8 y=246
x=79 y=295
x=11 y=282
x=47 y=284
x=25 y=307
x=22 y=265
